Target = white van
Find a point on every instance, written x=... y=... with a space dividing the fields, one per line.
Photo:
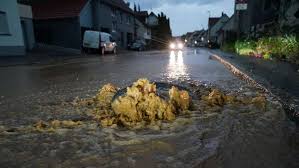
x=99 y=40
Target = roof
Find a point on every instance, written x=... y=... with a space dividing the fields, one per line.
x=57 y=9
x=213 y=21
x=229 y=25
x=142 y=13
x=119 y=4
x=153 y=14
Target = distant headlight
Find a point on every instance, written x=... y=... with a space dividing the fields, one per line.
x=172 y=46
x=180 y=45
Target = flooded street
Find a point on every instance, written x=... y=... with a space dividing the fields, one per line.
x=230 y=136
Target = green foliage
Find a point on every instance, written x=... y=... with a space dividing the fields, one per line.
x=246 y=47
x=281 y=47
x=291 y=47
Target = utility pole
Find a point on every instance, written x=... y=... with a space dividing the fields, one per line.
x=209 y=25
x=240 y=5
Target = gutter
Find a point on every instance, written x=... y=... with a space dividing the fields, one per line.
x=290 y=109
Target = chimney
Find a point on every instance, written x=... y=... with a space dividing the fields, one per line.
x=222 y=14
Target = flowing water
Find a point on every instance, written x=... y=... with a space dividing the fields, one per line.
x=230 y=136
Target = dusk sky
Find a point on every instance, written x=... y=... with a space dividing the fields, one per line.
x=187 y=15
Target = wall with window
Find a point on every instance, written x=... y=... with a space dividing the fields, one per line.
x=118 y=23
x=11 y=37
x=106 y=17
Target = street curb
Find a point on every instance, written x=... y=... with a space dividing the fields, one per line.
x=290 y=110
x=237 y=72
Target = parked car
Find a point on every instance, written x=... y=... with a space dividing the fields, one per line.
x=100 y=41
x=212 y=45
x=138 y=45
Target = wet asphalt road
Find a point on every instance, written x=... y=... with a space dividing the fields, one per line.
x=118 y=69
x=23 y=87
x=31 y=93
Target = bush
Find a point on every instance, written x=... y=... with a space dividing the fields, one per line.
x=268 y=47
x=246 y=47
x=291 y=48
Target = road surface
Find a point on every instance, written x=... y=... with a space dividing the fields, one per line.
x=32 y=93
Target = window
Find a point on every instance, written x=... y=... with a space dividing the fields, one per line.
x=3 y=23
x=128 y=19
x=113 y=12
x=120 y=17
x=114 y=26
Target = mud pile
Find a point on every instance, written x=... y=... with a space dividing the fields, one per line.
x=141 y=105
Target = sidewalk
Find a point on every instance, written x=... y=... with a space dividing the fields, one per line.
x=281 y=78
x=39 y=55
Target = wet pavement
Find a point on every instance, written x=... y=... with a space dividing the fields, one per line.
x=230 y=139
x=279 y=77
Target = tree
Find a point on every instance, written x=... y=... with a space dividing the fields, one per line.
x=135 y=8
x=162 y=31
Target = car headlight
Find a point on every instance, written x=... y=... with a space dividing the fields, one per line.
x=172 y=46
x=180 y=45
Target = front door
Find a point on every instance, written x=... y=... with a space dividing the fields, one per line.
x=129 y=38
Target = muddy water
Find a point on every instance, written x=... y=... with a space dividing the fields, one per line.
x=232 y=136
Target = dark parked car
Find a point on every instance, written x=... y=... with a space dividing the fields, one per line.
x=213 y=45
x=138 y=45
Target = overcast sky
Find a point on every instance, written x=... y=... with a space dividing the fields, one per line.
x=187 y=15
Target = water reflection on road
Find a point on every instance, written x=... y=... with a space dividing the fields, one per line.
x=176 y=68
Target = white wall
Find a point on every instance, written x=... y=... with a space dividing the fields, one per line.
x=142 y=31
x=15 y=37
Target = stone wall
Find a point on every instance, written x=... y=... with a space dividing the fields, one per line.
x=289 y=16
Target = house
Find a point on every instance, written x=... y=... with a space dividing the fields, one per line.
x=215 y=26
x=143 y=31
x=16 y=30
x=261 y=17
x=25 y=12
x=63 y=22
x=228 y=33
x=152 y=20
x=117 y=18
x=142 y=16
x=212 y=21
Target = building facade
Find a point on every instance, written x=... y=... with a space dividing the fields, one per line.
x=11 y=35
x=143 y=31
x=26 y=17
x=63 y=22
x=268 y=17
x=213 y=31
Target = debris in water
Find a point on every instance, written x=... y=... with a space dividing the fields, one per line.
x=43 y=126
x=141 y=103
